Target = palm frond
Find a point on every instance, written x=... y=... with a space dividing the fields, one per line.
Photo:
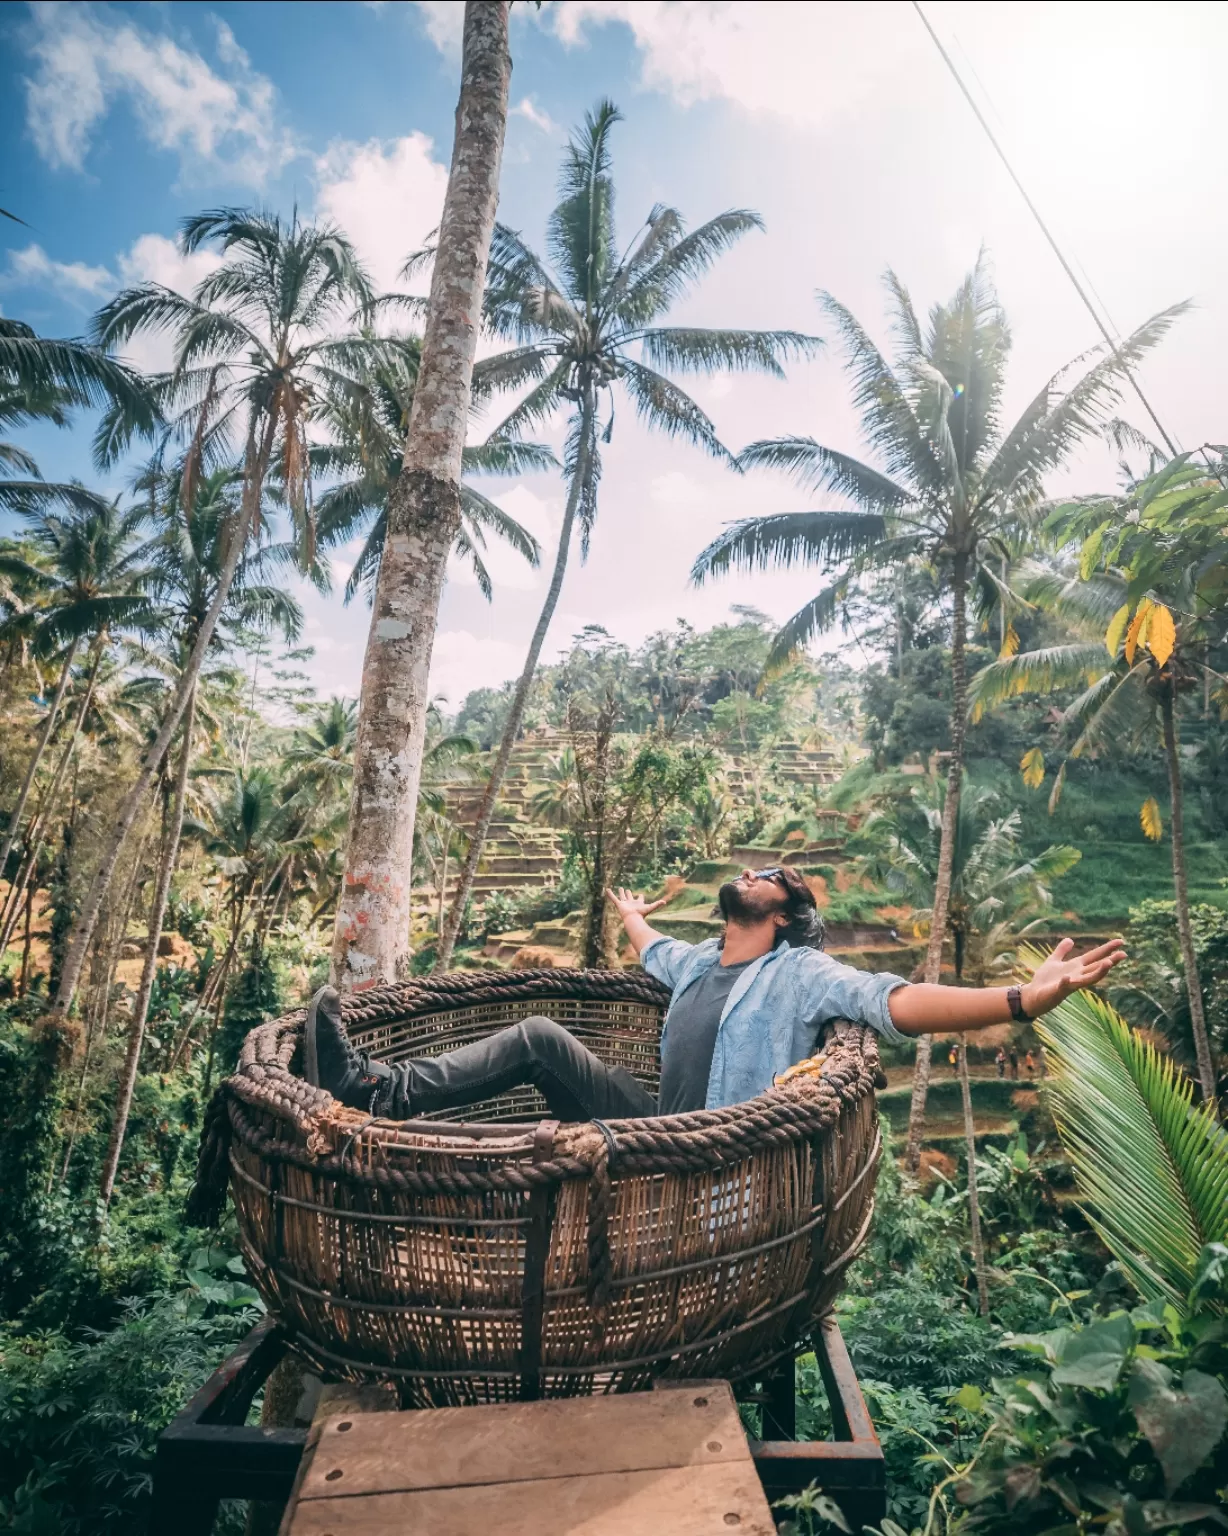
x=666 y=279
x=887 y=416
x=1040 y=671
x=1060 y=417
x=1115 y=711
x=537 y=406
x=819 y=468
x=485 y=514
x=670 y=409
x=1152 y=1169
x=810 y=620
x=789 y=538
x=504 y=456
x=1087 y=606
x=691 y=350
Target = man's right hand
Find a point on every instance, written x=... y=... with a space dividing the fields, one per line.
x=630 y=904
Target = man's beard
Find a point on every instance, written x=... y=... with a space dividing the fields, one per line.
x=734 y=905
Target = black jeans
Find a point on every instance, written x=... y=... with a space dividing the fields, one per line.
x=574 y=1083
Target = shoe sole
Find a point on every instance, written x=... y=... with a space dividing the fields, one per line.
x=311 y=1053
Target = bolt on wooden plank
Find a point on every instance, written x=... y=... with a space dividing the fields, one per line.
x=671 y=1463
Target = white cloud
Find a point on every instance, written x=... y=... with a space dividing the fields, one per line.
x=68 y=279
x=534 y=114
x=444 y=21
x=387 y=197
x=155 y=259
x=461 y=662
x=787 y=59
x=88 y=58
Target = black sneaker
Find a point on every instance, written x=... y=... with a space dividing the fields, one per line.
x=331 y=1062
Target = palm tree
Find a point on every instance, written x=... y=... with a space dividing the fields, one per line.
x=367 y=412
x=371 y=938
x=1144 y=604
x=248 y=357
x=246 y=829
x=554 y=799
x=996 y=897
x=91 y=572
x=189 y=562
x=321 y=756
x=581 y=326
x=954 y=487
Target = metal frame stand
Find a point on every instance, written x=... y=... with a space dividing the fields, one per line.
x=208 y=1452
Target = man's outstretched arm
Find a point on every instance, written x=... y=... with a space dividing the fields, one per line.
x=924 y=1009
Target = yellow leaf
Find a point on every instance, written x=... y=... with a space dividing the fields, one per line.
x=1055 y=794
x=1032 y=767
x=1116 y=629
x=1149 y=816
x=1137 y=633
x=1161 y=634
x=1010 y=643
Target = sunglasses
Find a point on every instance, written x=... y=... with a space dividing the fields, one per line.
x=775 y=873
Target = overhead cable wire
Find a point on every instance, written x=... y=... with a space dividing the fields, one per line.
x=1045 y=230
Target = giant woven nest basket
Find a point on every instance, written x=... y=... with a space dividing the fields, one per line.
x=509 y=1256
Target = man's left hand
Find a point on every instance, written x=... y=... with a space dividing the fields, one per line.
x=1059 y=976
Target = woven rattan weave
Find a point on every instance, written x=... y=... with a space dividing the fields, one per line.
x=513 y=1257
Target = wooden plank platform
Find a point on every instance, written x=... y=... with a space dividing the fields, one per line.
x=667 y=1463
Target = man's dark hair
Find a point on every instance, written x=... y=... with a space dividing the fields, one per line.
x=805 y=927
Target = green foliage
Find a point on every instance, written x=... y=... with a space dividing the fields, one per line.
x=1121 y=1423
x=79 y=1416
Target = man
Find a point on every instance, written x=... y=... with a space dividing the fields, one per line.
x=745 y=1007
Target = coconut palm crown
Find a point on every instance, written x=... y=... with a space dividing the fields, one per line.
x=366 y=413
x=954 y=484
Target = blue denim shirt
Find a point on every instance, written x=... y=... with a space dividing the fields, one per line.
x=775 y=1011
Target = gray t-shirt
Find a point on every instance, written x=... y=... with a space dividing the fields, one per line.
x=693 y=1022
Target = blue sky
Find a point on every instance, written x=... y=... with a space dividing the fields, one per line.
x=837 y=122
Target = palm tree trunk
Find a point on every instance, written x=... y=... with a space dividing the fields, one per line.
x=25 y=948
x=157 y=914
x=1181 y=895
x=10 y=836
x=443 y=880
x=520 y=699
x=974 y=1203
x=371 y=939
x=946 y=848
x=38 y=828
x=257 y=462
x=107 y=954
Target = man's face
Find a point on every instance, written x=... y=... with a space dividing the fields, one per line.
x=754 y=895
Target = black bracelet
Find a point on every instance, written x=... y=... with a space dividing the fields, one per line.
x=1014 y=1001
